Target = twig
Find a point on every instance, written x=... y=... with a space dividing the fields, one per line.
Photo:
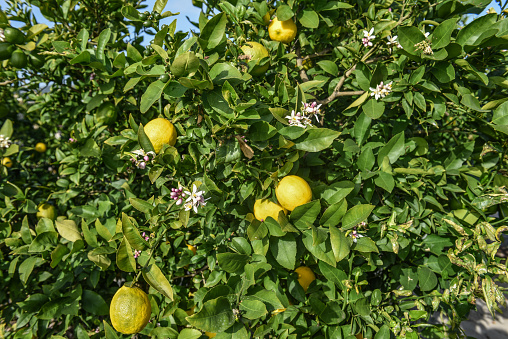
x=192 y=274
x=299 y=64
x=336 y=93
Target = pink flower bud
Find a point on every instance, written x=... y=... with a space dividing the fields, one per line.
x=146 y=158
x=142 y=165
x=179 y=202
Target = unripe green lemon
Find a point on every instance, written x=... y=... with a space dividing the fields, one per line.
x=256 y=52
x=14 y=35
x=6 y=50
x=18 y=59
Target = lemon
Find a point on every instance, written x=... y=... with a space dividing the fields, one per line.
x=292 y=192
x=40 y=147
x=283 y=31
x=264 y=208
x=210 y=334
x=305 y=276
x=192 y=248
x=256 y=52
x=46 y=211
x=7 y=162
x=160 y=131
x=130 y=310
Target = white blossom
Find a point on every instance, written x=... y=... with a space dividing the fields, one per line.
x=381 y=90
x=368 y=36
x=393 y=41
x=4 y=141
x=294 y=118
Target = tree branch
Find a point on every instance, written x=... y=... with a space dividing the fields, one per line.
x=336 y=93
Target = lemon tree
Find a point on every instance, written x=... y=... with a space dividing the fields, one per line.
x=298 y=169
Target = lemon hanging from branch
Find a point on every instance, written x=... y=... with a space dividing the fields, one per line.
x=160 y=131
x=130 y=310
x=283 y=31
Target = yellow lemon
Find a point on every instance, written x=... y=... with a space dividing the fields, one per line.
x=46 y=211
x=264 y=208
x=160 y=131
x=192 y=248
x=210 y=334
x=292 y=191
x=7 y=162
x=256 y=51
x=305 y=276
x=130 y=310
x=40 y=147
x=283 y=31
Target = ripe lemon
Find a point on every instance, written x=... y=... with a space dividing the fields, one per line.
x=210 y=334
x=305 y=276
x=7 y=162
x=283 y=31
x=46 y=211
x=40 y=147
x=264 y=208
x=130 y=310
x=192 y=248
x=292 y=191
x=160 y=131
x=256 y=52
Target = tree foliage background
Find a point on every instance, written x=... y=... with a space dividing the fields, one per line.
x=407 y=161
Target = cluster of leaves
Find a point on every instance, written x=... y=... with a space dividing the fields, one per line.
x=409 y=190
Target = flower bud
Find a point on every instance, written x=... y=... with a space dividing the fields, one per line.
x=142 y=165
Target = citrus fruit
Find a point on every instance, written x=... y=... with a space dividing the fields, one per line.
x=130 y=310
x=106 y=113
x=14 y=35
x=18 y=59
x=192 y=248
x=264 y=208
x=164 y=78
x=283 y=31
x=292 y=191
x=210 y=334
x=256 y=52
x=40 y=147
x=160 y=131
x=46 y=211
x=6 y=50
x=7 y=162
x=305 y=276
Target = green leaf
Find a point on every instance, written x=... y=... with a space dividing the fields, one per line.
x=132 y=235
x=6 y=129
x=333 y=313
x=124 y=257
x=213 y=32
x=329 y=67
x=444 y=72
x=154 y=276
x=442 y=34
x=68 y=230
x=322 y=251
x=93 y=303
x=333 y=214
x=316 y=139
x=383 y=333
x=365 y=244
x=426 y=278
x=159 y=6
x=109 y=331
x=130 y=13
x=261 y=131
x=215 y=316
x=257 y=230
x=385 y=181
x=304 y=215
x=284 y=13
x=284 y=250
x=366 y=160
x=141 y=205
x=232 y=262
x=151 y=95
x=99 y=256
x=333 y=274
x=253 y=309
x=26 y=268
x=340 y=245
x=185 y=64
x=361 y=127
x=393 y=149
x=101 y=45
x=408 y=37
x=337 y=191
x=373 y=109
x=469 y=35
x=189 y=333
x=408 y=278
x=356 y=215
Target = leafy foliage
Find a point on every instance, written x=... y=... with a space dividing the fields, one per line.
x=406 y=157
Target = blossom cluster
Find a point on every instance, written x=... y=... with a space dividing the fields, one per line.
x=355 y=235
x=142 y=158
x=303 y=119
x=368 y=36
x=4 y=141
x=194 y=200
x=381 y=90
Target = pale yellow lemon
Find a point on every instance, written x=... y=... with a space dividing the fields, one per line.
x=293 y=191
